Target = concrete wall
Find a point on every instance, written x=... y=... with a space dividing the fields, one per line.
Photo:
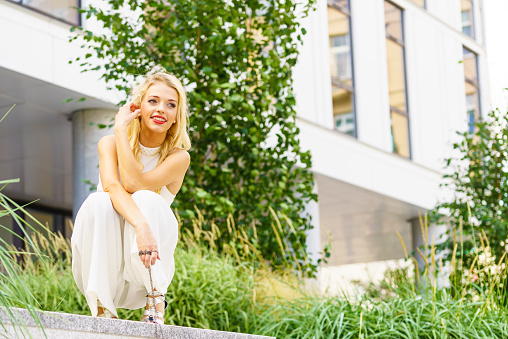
x=38 y=46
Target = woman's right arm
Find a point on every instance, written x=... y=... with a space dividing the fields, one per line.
x=108 y=167
x=122 y=200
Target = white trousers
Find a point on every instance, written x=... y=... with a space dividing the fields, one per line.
x=105 y=258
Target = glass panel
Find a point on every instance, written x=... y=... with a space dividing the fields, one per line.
x=396 y=80
x=341 y=71
x=340 y=47
x=44 y=218
x=344 y=4
x=470 y=69
x=400 y=134
x=393 y=21
x=61 y=9
x=5 y=226
x=343 y=116
x=466 y=8
x=471 y=108
x=396 y=76
x=471 y=86
x=419 y=2
x=340 y=58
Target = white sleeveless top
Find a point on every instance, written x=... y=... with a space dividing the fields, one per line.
x=149 y=157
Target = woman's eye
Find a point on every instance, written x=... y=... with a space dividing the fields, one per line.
x=172 y=105
x=152 y=101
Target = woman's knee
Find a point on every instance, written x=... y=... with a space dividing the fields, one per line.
x=145 y=195
x=147 y=198
x=98 y=199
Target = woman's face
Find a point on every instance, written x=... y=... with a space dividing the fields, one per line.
x=159 y=108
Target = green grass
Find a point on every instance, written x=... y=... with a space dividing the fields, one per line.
x=13 y=292
x=212 y=291
x=396 y=318
x=207 y=291
x=223 y=292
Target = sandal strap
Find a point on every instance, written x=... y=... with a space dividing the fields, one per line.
x=105 y=312
x=157 y=314
x=155 y=321
x=157 y=300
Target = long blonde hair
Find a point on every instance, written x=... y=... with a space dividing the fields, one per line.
x=177 y=135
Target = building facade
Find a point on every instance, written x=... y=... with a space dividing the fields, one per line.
x=381 y=87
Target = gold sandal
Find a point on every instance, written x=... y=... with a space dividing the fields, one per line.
x=105 y=312
x=152 y=315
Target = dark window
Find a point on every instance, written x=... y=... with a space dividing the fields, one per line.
x=470 y=62
x=397 y=80
x=466 y=15
x=420 y=3
x=63 y=10
x=54 y=219
x=341 y=66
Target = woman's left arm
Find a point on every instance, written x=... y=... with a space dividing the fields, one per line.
x=172 y=169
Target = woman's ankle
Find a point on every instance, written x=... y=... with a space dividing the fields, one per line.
x=104 y=312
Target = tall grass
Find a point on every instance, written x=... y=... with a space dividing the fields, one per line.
x=14 y=292
x=221 y=288
x=216 y=291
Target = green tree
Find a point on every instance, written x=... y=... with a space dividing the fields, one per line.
x=235 y=57
x=478 y=176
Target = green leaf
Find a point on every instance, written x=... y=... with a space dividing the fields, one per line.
x=228 y=85
x=201 y=194
x=236 y=97
x=230 y=78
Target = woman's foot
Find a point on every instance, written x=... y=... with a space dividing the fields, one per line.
x=103 y=312
x=157 y=315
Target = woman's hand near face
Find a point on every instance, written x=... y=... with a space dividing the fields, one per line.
x=146 y=242
x=126 y=114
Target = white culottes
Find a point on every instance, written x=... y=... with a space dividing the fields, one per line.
x=105 y=258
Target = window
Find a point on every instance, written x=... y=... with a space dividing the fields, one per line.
x=420 y=3
x=56 y=220
x=470 y=62
x=341 y=66
x=466 y=7
x=397 y=80
x=63 y=10
x=341 y=57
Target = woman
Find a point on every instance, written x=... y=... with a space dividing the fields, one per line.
x=127 y=226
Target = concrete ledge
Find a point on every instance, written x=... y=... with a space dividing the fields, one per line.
x=64 y=325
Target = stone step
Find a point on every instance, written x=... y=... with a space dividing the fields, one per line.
x=64 y=325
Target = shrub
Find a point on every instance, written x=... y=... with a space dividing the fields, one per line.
x=236 y=59
x=477 y=215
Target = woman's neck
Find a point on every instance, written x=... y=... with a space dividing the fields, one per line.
x=151 y=140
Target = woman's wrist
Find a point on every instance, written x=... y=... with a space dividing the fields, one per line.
x=138 y=226
x=120 y=129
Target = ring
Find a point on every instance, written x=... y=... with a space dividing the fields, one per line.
x=145 y=252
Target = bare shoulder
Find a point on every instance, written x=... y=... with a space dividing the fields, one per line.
x=107 y=142
x=181 y=156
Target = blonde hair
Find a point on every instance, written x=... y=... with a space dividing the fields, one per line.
x=177 y=135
